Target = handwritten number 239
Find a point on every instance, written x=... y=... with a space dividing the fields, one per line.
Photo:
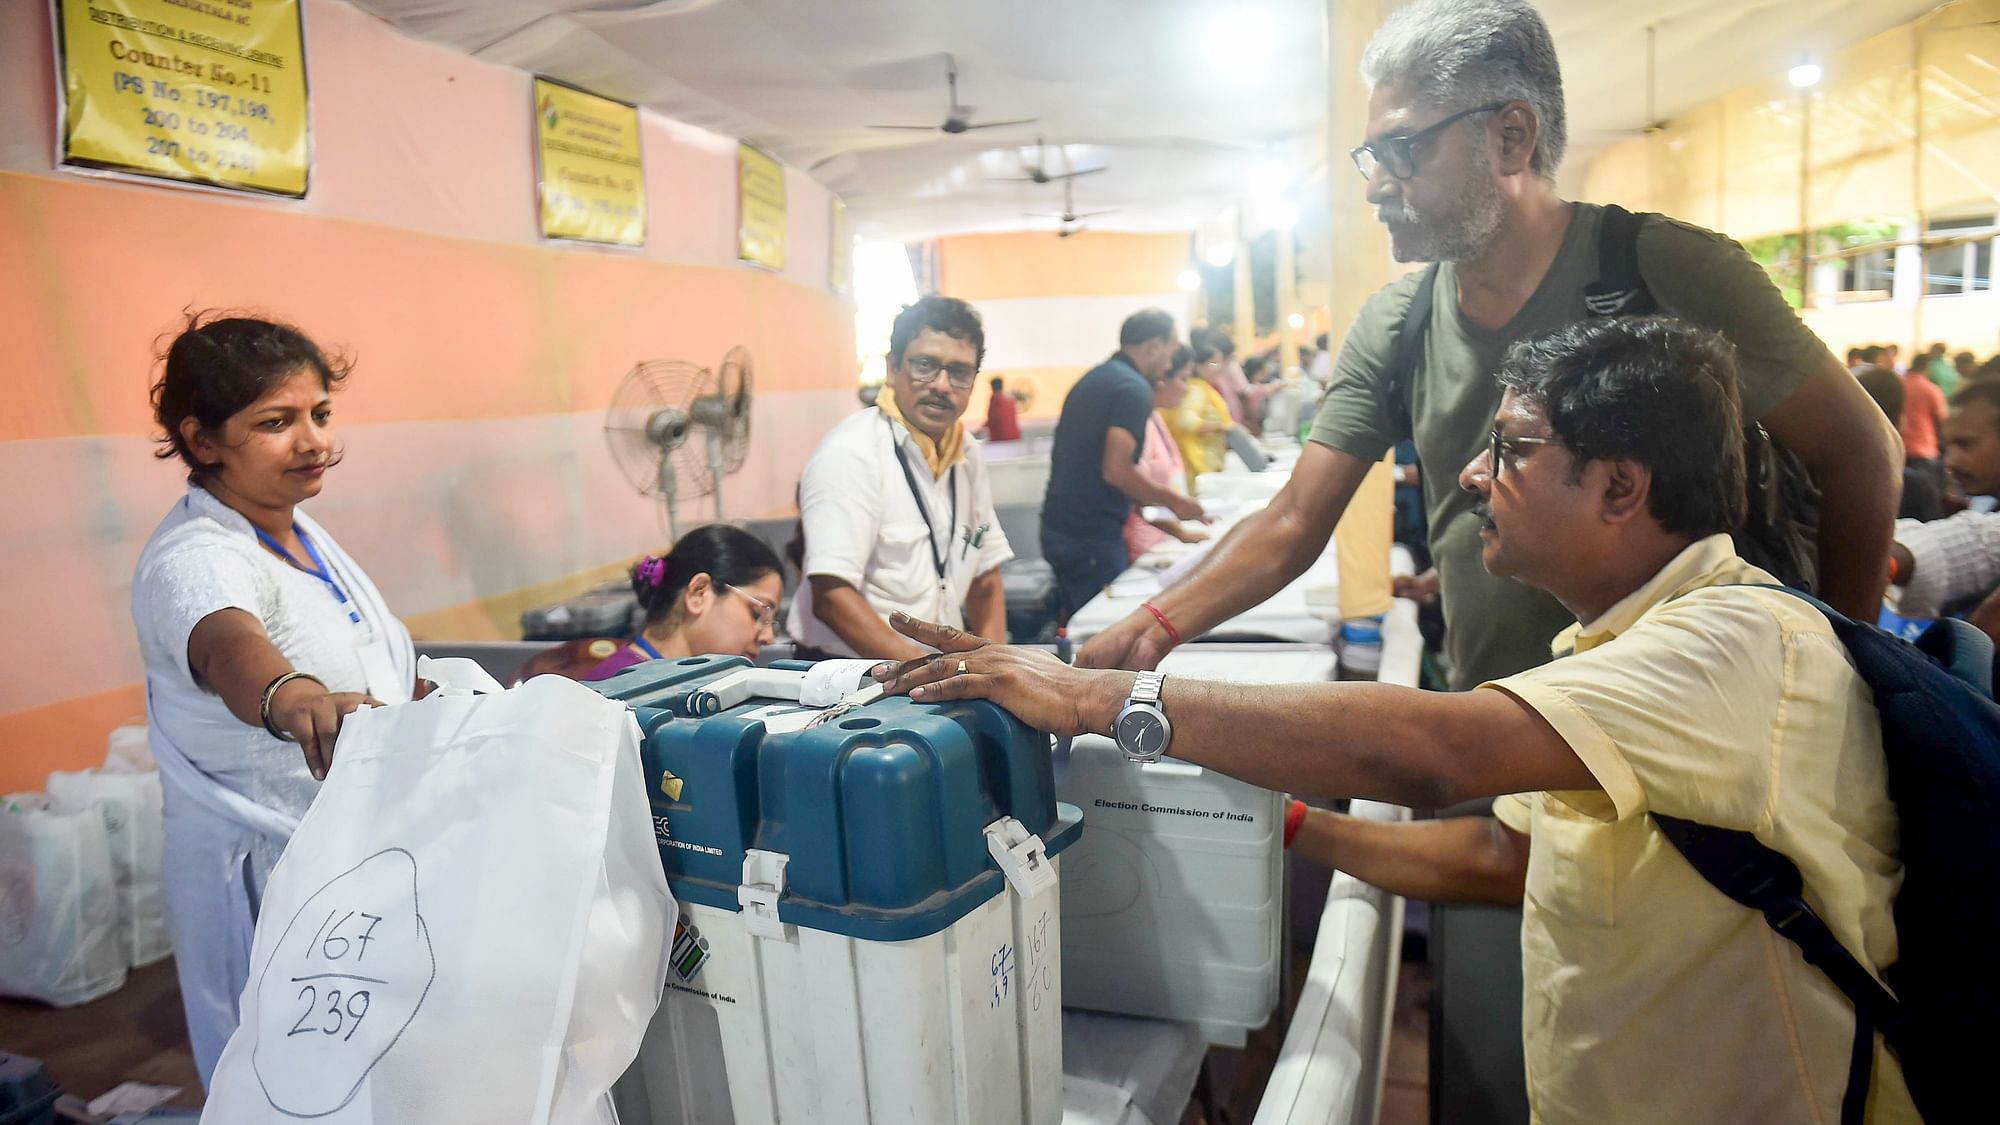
x=346 y=1017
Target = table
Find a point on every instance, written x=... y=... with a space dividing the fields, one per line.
x=1306 y=611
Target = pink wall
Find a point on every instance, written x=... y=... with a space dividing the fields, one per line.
x=476 y=464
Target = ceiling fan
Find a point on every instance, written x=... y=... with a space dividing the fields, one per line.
x=1069 y=222
x=957 y=118
x=1654 y=123
x=1038 y=172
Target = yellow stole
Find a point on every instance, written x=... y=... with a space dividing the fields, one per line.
x=939 y=455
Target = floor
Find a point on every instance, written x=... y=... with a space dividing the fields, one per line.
x=136 y=1034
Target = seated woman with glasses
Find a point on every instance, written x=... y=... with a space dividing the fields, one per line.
x=716 y=592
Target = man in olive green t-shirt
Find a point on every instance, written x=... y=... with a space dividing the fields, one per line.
x=1494 y=626
x=1466 y=130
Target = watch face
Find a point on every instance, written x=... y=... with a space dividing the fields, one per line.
x=1141 y=734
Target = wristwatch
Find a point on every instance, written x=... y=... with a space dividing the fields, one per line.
x=1142 y=729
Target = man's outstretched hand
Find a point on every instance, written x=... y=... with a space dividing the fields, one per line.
x=1039 y=689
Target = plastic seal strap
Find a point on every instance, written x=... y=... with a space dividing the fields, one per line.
x=457 y=675
x=1021 y=856
x=763 y=883
x=854 y=702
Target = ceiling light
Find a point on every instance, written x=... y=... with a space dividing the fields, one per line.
x=1296 y=320
x=1189 y=281
x=1805 y=74
x=1285 y=214
x=1241 y=35
x=1219 y=253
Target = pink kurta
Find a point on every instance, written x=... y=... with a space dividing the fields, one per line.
x=1159 y=462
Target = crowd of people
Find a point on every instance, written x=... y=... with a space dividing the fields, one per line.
x=1613 y=653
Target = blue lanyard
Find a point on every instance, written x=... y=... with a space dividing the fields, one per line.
x=317 y=570
x=643 y=645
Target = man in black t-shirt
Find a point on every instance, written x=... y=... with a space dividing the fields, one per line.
x=1094 y=476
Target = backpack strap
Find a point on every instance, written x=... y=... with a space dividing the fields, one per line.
x=1618 y=290
x=1408 y=346
x=1964 y=651
x=1763 y=879
x=1742 y=867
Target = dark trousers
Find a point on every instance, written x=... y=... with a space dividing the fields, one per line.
x=1083 y=567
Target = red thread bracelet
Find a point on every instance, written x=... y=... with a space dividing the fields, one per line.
x=1295 y=815
x=1173 y=634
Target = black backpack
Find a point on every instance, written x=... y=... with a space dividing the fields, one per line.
x=1780 y=532
x=1941 y=738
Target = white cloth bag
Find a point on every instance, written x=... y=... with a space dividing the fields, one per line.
x=129 y=749
x=58 y=904
x=469 y=926
x=130 y=805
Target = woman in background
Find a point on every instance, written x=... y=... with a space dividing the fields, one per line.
x=1160 y=461
x=258 y=636
x=1201 y=425
x=717 y=591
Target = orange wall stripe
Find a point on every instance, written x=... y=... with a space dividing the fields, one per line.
x=68 y=735
x=990 y=267
x=442 y=328
x=1046 y=388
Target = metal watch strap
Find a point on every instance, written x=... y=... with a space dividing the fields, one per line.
x=1146 y=687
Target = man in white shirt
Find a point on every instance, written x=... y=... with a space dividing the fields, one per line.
x=1320 y=370
x=896 y=504
x=1936 y=566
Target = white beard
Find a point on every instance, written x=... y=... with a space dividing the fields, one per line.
x=1462 y=230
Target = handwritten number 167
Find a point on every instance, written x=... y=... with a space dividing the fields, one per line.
x=335 y=947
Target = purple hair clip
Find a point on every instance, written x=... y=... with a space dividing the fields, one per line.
x=652 y=571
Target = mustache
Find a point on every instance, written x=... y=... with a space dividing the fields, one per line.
x=938 y=400
x=1484 y=511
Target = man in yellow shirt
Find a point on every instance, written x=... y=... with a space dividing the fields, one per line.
x=1612 y=474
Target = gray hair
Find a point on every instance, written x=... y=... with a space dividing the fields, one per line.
x=1457 y=54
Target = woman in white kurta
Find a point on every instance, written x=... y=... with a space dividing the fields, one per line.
x=258 y=634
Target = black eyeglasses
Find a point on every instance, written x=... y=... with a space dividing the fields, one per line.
x=1501 y=443
x=924 y=370
x=1399 y=153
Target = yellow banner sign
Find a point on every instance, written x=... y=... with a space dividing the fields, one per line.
x=840 y=256
x=593 y=182
x=760 y=209
x=203 y=91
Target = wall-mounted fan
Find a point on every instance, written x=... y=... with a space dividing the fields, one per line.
x=659 y=406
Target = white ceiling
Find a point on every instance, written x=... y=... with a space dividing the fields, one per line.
x=1187 y=101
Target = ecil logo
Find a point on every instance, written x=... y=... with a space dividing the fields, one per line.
x=670 y=785
x=548 y=110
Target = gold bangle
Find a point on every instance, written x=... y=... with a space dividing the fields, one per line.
x=271 y=689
